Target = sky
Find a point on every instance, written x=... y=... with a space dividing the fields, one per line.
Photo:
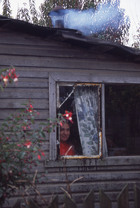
x=15 y=4
x=131 y=9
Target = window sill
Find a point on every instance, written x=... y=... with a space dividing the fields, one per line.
x=108 y=161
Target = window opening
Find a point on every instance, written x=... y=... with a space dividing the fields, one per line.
x=84 y=135
x=122 y=118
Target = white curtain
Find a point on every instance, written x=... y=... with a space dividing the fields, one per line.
x=87 y=103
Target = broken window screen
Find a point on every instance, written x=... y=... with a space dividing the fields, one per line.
x=84 y=137
x=122 y=107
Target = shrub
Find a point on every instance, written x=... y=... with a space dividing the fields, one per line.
x=20 y=143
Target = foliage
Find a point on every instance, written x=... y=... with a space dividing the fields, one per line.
x=136 y=43
x=45 y=8
x=33 y=11
x=23 y=14
x=20 y=143
x=120 y=33
x=28 y=15
x=7 y=76
x=48 y=6
x=6 y=8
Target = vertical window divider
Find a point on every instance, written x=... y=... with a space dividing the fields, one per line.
x=52 y=114
x=104 y=144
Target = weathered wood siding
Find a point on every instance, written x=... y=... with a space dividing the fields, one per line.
x=34 y=58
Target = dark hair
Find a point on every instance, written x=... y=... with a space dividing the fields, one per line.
x=67 y=122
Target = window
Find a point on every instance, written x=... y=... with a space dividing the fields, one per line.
x=60 y=86
x=117 y=118
x=84 y=135
x=122 y=119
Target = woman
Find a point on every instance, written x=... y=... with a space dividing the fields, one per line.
x=66 y=148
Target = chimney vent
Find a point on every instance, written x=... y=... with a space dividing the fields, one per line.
x=57 y=17
x=59 y=24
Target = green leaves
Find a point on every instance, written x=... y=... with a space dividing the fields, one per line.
x=20 y=144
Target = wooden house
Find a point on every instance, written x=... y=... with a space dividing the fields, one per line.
x=51 y=63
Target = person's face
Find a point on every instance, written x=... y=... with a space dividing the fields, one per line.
x=64 y=132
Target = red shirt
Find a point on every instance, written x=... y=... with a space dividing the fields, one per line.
x=66 y=149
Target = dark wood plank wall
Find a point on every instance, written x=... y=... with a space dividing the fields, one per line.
x=33 y=59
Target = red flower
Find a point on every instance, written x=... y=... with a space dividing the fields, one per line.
x=43 y=154
x=5 y=79
x=24 y=127
x=12 y=70
x=15 y=78
x=10 y=74
x=30 y=109
x=13 y=75
x=68 y=116
x=61 y=124
x=28 y=144
x=39 y=157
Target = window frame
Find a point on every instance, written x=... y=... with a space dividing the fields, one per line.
x=67 y=77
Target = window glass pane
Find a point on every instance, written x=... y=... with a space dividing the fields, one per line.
x=122 y=107
x=68 y=104
x=83 y=102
